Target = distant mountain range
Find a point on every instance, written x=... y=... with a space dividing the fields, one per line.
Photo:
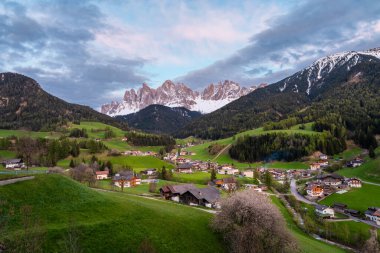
x=160 y=118
x=346 y=83
x=24 y=104
x=178 y=95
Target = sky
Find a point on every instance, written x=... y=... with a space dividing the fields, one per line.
x=90 y=52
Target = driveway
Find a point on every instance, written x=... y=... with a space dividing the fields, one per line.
x=297 y=195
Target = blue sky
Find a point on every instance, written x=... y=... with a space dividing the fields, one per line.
x=89 y=52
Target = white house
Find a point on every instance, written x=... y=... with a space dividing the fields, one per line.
x=323 y=156
x=324 y=211
x=227 y=170
x=100 y=175
x=247 y=173
x=354 y=183
x=14 y=164
x=373 y=214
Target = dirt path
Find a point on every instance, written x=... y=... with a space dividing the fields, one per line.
x=15 y=180
x=221 y=152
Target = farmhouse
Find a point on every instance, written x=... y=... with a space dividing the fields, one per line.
x=208 y=197
x=339 y=207
x=354 y=183
x=185 y=168
x=373 y=214
x=323 y=156
x=149 y=172
x=355 y=163
x=352 y=212
x=227 y=170
x=315 y=166
x=314 y=190
x=227 y=184
x=173 y=192
x=330 y=179
x=14 y=164
x=102 y=174
x=324 y=211
x=126 y=179
x=247 y=173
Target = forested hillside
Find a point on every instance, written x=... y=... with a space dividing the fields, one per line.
x=24 y=104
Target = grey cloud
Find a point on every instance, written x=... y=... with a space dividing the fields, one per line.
x=317 y=23
x=68 y=69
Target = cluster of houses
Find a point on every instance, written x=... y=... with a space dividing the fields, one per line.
x=371 y=214
x=139 y=153
x=191 y=195
x=14 y=164
x=327 y=184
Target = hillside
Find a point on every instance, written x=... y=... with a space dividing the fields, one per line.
x=325 y=83
x=160 y=119
x=60 y=207
x=24 y=104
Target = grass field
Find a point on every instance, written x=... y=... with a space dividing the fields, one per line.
x=306 y=243
x=19 y=133
x=349 y=153
x=105 y=221
x=6 y=154
x=358 y=199
x=369 y=171
x=96 y=129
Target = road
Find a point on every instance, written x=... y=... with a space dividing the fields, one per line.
x=366 y=182
x=221 y=152
x=297 y=195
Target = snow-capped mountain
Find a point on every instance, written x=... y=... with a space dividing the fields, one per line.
x=313 y=77
x=177 y=95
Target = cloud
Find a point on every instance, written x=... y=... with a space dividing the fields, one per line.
x=54 y=44
x=311 y=30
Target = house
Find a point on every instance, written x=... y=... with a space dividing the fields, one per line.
x=149 y=172
x=314 y=190
x=323 y=163
x=352 y=212
x=14 y=164
x=227 y=184
x=173 y=192
x=339 y=207
x=323 y=156
x=315 y=166
x=247 y=173
x=354 y=183
x=324 y=211
x=185 y=168
x=100 y=175
x=330 y=179
x=373 y=214
x=208 y=197
x=227 y=170
x=355 y=163
x=126 y=179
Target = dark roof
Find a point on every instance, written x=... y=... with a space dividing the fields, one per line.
x=210 y=194
x=341 y=205
x=321 y=207
x=12 y=161
x=229 y=180
x=185 y=166
x=179 y=189
x=126 y=175
x=335 y=176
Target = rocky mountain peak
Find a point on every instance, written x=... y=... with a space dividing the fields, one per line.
x=173 y=94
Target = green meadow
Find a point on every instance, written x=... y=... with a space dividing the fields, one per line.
x=59 y=207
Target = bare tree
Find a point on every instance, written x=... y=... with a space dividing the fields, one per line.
x=83 y=173
x=372 y=245
x=152 y=187
x=250 y=223
x=26 y=147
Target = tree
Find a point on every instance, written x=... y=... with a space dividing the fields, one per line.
x=213 y=175
x=72 y=164
x=152 y=187
x=164 y=173
x=250 y=223
x=26 y=146
x=268 y=180
x=372 y=245
x=372 y=152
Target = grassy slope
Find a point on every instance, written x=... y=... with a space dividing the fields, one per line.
x=306 y=243
x=202 y=152
x=105 y=218
x=19 y=133
x=359 y=199
x=369 y=171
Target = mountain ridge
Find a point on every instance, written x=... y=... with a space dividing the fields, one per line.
x=173 y=94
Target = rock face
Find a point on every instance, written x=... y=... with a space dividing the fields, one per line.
x=177 y=95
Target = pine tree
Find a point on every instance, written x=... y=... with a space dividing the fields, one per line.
x=213 y=174
x=72 y=164
x=372 y=153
